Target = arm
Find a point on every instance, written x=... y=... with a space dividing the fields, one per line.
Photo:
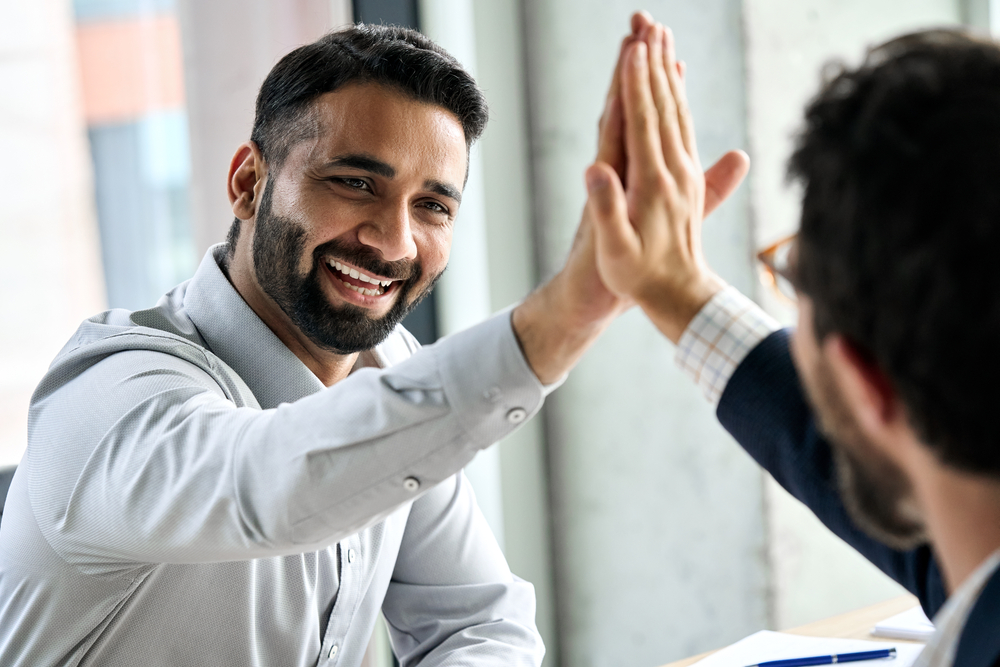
x=141 y=458
x=648 y=244
x=763 y=407
x=452 y=599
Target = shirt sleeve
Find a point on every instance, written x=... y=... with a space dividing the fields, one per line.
x=452 y=599
x=719 y=337
x=141 y=458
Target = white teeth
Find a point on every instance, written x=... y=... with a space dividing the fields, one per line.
x=357 y=275
x=362 y=290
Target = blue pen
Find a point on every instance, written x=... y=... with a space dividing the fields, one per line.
x=830 y=659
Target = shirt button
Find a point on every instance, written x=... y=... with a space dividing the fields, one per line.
x=411 y=484
x=333 y=651
x=517 y=415
x=351 y=555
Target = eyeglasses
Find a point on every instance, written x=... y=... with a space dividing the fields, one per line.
x=776 y=271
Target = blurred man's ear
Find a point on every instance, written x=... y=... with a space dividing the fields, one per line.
x=246 y=177
x=865 y=389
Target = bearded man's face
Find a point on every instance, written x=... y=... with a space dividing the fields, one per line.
x=354 y=226
x=876 y=492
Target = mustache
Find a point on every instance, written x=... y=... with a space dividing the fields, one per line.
x=405 y=270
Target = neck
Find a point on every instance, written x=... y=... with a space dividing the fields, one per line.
x=962 y=511
x=329 y=367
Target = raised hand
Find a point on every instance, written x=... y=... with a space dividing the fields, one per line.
x=648 y=227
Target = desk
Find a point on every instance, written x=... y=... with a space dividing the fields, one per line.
x=855 y=624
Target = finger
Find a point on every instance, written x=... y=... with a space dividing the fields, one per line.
x=615 y=238
x=610 y=146
x=614 y=90
x=679 y=90
x=672 y=143
x=643 y=150
x=609 y=132
x=723 y=177
x=640 y=21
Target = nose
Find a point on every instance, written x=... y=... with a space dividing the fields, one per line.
x=391 y=234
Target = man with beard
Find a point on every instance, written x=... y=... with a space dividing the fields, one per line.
x=895 y=272
x=250 y=471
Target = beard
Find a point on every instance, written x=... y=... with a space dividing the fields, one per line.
x=876 y=493
x=278 y=245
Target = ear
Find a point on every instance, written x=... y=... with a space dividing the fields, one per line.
x=247 y=171
x=865 y=388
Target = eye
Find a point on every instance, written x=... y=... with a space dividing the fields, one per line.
x=435 y=207
x=352 y=183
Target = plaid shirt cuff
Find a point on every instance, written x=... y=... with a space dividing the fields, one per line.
x=719 y=337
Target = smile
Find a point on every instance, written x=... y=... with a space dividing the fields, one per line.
x=358 y=281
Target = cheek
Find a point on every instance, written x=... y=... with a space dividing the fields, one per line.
x=434 y=248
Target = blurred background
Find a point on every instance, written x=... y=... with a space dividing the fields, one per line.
x=648 y=534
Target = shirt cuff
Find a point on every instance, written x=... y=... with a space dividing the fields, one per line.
x=719 y=337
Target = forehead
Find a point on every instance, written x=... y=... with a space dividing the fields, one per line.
x=416 y=138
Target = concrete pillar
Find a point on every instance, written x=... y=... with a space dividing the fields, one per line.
x=50 y=264
x=512 y=274
x=463 y=293
x=815 y=574
x=659 y=537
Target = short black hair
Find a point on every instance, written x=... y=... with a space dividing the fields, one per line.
x=899 y=246
x=388 y=55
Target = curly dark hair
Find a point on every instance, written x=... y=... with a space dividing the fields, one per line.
x=385 y=54
x=900 y=231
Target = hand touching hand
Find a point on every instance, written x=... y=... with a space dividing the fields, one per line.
x=647 y=230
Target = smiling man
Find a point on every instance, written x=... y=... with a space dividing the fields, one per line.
x=248 y=472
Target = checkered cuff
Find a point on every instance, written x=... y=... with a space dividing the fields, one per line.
x=719 y=337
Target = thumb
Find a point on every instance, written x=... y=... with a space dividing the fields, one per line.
x=607 y=207
x=723 y=177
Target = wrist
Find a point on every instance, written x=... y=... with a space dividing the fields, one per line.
x=554 y=330
x=672 y=310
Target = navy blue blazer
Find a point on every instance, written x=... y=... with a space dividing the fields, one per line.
x=764 y=408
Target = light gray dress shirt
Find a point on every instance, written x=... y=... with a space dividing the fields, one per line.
x=193 y=495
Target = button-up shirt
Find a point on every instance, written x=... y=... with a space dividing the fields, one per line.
x=193 y=495
x=719 y=337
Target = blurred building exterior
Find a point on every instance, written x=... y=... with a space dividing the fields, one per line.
x=648 y=533
x=131 y=73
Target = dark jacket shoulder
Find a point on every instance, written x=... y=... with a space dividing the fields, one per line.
x=764 y=408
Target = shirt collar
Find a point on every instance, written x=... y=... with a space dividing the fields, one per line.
x=950 y=621
x=236 y=334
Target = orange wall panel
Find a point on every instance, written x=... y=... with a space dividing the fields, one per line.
x=130 y=68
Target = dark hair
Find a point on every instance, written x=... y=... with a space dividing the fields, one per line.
x=899 y=246
x=388 y=55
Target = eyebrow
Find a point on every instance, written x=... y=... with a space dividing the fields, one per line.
x=364 y=163
x=444 y=190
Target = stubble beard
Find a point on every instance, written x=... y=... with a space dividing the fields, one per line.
x=876 y=493
x=278 y=244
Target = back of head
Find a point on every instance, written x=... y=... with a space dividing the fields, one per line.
x=900 y=230
x=392 y=56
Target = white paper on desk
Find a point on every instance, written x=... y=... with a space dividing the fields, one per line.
x=911 y=624
x=767 y=645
